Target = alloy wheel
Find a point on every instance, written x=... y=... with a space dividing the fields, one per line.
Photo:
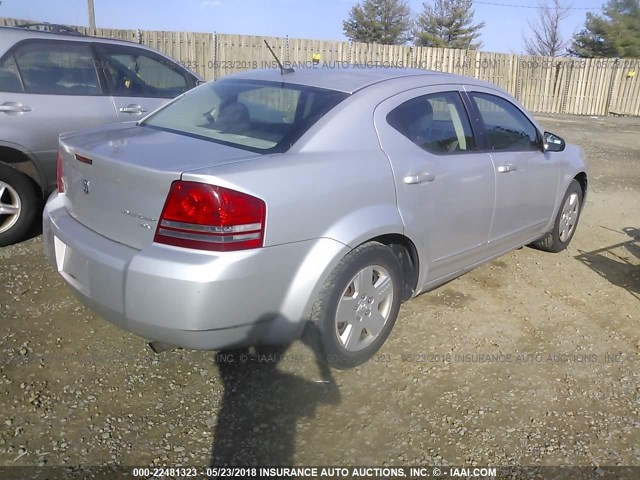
x=569 y=217
x=10 y=206
x=364 y=308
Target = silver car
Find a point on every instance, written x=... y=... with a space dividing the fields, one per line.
x=256 y=205
x=61 y=81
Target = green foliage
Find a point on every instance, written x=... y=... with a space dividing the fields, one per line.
x=379 y=21
x=614 y=33
x=448 y=23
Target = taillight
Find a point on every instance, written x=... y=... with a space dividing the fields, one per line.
x=208 y=217
x=59 y=172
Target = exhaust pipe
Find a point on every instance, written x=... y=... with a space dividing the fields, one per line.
x=159 y=347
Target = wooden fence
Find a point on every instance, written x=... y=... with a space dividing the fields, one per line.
x=542 y=84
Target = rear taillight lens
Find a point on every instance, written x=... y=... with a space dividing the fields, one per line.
x=59 y=172
x=208 y=217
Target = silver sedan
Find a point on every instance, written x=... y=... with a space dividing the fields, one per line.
x=252 y=207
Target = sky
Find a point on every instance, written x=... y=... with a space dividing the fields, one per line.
x=506 y=20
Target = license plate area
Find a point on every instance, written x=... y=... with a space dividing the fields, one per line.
x=73 y=266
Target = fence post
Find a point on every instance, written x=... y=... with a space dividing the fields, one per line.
x=139 y=36
x=565 y=94
x=518 y=92
x=477 y=64
x=214 y=54
x=286 y=49
x=612 y=86
x=513 y=74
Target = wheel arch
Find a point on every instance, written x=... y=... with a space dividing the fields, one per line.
x=24 y=162
x=407 y=255
x=581 y=178
x=357 y=229
x=330 y=252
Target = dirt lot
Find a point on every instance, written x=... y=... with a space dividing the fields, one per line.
x=532 y=359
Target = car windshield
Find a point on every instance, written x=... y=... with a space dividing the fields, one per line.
x=259 y=116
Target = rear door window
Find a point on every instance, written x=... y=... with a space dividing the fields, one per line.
x=50 y=67
x=437 y=123
x=9 y=76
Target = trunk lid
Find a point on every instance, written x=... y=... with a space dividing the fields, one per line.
x=117 y=179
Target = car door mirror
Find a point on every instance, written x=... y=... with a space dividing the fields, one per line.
x=553 y=143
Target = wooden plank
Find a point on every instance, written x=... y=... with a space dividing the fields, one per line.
x=632 y=86
x=329 y=54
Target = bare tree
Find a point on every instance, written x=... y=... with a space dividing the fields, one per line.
x=545 y=38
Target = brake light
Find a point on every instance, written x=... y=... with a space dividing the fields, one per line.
x=208 y=217
x=59 y=173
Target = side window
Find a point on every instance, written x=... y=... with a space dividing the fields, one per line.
x=438 y=123
x=507 y=127
x=9 y=76
x=54 y=68
x=134 y=72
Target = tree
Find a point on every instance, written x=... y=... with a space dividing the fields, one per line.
x=614 y=33
x=448 y=23
x=379 y=21
x=545 y=36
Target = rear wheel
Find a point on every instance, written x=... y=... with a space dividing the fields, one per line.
x=18 y=205
x=358 y=305
x=566 y=221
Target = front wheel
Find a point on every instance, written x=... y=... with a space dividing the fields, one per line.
x=566 y=221
x=358 y=305
x=18 y=205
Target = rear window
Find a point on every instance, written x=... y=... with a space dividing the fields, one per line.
x=258 y=116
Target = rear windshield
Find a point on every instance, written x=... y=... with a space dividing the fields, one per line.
x=259 y=116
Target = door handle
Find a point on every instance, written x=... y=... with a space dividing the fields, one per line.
x=419 y=178
x=9 y=108
x=506 y=168
x=132 y=109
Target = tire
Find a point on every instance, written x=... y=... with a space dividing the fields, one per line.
x=357 y=306
x=566 y=221
x=19 y=205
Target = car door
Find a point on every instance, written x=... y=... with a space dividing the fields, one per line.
x=48 y=87
x=140 y=80
x=445 y=187
x=526 y=178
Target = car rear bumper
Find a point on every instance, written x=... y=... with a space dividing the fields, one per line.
x=187 y=298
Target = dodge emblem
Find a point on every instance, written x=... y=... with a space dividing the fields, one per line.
x=85 y=186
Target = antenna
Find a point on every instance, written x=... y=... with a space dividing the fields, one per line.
x=282 y=69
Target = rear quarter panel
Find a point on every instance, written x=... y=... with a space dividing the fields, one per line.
x=336 y=182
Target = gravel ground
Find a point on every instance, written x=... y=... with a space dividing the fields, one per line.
x=531 y=359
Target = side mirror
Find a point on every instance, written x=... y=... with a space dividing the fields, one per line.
x=553 y=143
x=200 y=82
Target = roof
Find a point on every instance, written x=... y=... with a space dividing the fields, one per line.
x=343 y=77
x=50 y=27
